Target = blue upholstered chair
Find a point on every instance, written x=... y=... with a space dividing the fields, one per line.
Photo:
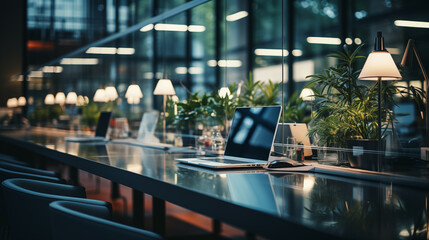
x=26 y=169
x=75 y=220
x=8 y=174
x=11 y=159
x=27 y=202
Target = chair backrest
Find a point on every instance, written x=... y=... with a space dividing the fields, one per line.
x=11 y=159
x=8 y=174
x=26 y=169
x=27 y=205
x=73 y=220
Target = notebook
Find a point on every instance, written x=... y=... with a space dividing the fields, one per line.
x=249 y=141
x=100 y=131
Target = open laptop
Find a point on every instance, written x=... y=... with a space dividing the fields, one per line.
x=146 y=136
x=296 y=130
x=100 y=131
x=249 y=140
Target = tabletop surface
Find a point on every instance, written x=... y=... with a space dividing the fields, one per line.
x=343 y=207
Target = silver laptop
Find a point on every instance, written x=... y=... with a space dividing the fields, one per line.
x=100 y=131
x=249 y=141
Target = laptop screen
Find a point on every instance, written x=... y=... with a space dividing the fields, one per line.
x=103 y=124
x=252 y=132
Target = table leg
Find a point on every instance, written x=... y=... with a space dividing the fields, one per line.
x=158 y=216
x=217 y=227
x=74 y=175
x=138 y=208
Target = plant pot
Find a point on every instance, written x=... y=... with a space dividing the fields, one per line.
x=359 y=157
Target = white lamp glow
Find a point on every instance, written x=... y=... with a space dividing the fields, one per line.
x=133 y=91
x=133 y=100
x=71 y=98
x=307 y=95
x=380 y=64
x=22 y=101
x=224 y=91
x=164 y=87
x=60 y=98
x=100 y=96
x=50 y=99
x=111 y=93
x=12 y=103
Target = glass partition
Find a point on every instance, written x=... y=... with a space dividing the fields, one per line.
x=222 y=54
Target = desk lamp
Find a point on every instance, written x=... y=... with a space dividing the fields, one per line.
x=164 y=87
x=100 y=96
x=50 y=99
x=12 y=103
x=111 y=93
x=133 y=94
x=22 y=101
x=71 y=100
x=60 y=98
x=379 y=66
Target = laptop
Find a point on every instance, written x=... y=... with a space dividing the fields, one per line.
x=249 y=141
x=146 y=136
x=296 y=130
x=100 y=131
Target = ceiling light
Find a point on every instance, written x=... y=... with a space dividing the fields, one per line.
x=79 y=61
x=171 y=27
x=413 y=24
x=52 y=69
x=324 y=40
x=271 y=52
x=126 y=51
x=146 y=28
x=358 y=41
x=237 y=16
x=196 y=28
x=101 y=50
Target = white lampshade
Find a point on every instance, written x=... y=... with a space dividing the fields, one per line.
x=133 y=91
x=133 y=100
x=60 y=98
x=111 y=93
x=307 y=95
x=71 y=98
x=224 y=91
x=379 y=64
x=50 y=99
x=12 y=102
x=164 y=87
x=100 y=96
x=80 y=100
x=22 y=101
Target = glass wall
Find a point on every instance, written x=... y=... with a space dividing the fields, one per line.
x=217 y=44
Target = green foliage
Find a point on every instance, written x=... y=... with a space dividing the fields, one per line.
x=295 y=109
x=346 y=108
x=209 y=108
x=90 y=114
x=45 y=114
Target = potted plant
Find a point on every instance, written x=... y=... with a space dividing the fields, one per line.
x=346 y=109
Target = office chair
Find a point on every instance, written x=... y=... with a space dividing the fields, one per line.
x=8 y=174
x=28 y=201
x=26 y=169
x=76 y=220
x=11 y=159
